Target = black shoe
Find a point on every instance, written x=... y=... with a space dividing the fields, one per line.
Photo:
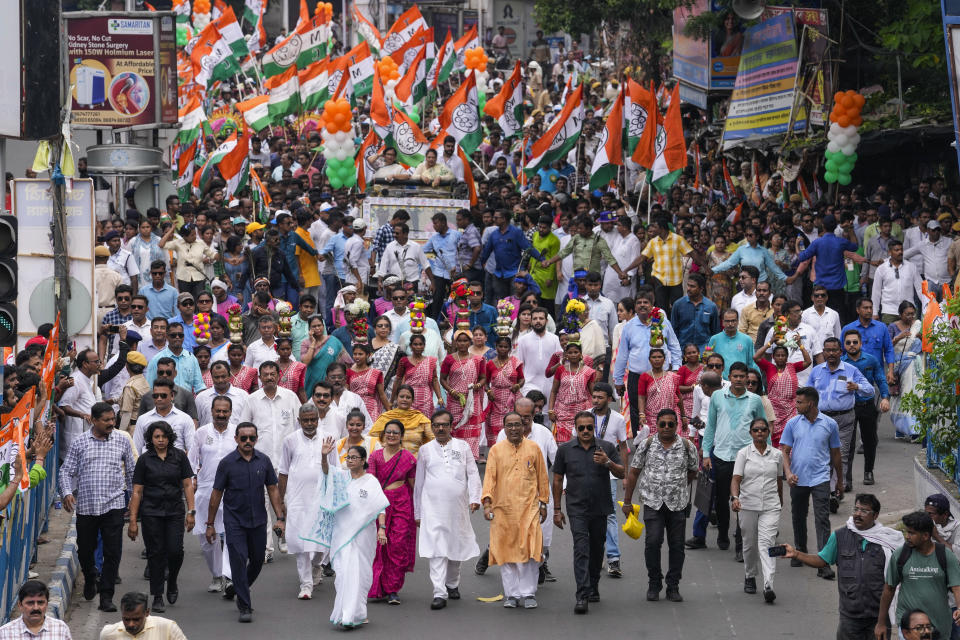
x=750 y=585
x=157 y=606
x=246 y=616
x=90 y=588
x=834 y=503
x=483 y=563
x=118 y=580
x=582 y=607
x=795 y=563
x=438 y=603
x=673 y=594
x=541 y=575
x=549 y=577
x=739 y=555
x=826 y=573
x=769 y=596
x=229 y=591
x=454 y=593
x=860 y=449
x=328 y=571
x=653 y=594
x=613 y=569
x=143 y=554
x=712 y=518
x=594 y=597
x=106 y=604
x=393 y=598
x=146 y=572
x=172 y=594
x=696 y=542
x=848 y=488
x=868 y=477
x=723 y=543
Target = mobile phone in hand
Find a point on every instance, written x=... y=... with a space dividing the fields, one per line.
x=777 y=551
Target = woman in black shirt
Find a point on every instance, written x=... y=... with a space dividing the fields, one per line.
x=161 y=480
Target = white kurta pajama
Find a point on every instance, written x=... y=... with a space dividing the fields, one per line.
x=447 y=483
x=210 y=447
x=300 y=461
x=346 y=525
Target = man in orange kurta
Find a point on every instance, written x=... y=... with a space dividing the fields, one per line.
x=515 y=496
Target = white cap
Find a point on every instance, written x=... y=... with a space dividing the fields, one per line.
x=359 y=223
x=325 y=205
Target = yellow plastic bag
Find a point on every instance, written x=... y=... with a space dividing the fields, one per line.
x=633 y=527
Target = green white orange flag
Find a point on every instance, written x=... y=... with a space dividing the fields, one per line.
x=405 y=136
x=235 y=165
x=671 y=147
x=280 y=58
x=365 y=158
x=284 y=94
x=212 y=57
x=186 y=156
x=469 y=40
x=256 y=112
x=379 y=109
x=404 y=28
x=230 y=31
x=412 y=87
x=314 y=39
x=360 y=64
x=191 y=116
x=314 y=91
x=182 y=9
x=446 y=59
x=507 y=106
x=338 y=81
x=560 y=137
x=202 y=178
x=406 y=53
x=640 y=112
x=367 y=31
x=253 y=13
x=461 y=116
x=609 y=157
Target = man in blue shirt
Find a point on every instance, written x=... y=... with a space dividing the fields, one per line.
x=482 y=314
x=831 y=272
x=161 y=295
x=188 y=369
x=874 y=336
x=731 y=344
x=864 y=409
x=507 y=243
x=289 y=241
x=695 y=317
x=239 y=482
x=810 y=443
x=443 y=244
x=839 y=383
x=334 y=250
x=634 y=351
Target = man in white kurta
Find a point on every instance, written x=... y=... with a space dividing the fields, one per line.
x=534 y=350
x=212 y=442
x=274 y=410
x=624 y=249
x=445 y=493
x=220 y=372
x=298 y=472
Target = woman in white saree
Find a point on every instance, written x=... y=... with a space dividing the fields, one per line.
x=350 y=523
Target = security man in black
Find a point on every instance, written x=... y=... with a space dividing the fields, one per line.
x=240 y=480
x=587 y=463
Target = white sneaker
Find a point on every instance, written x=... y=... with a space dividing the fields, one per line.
x=306 y=593
x=283 y=546
x=215 y=585
x=317 y=574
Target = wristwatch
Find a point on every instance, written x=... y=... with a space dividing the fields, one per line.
x=192 y=512
x=732 y=498
x=283 y=519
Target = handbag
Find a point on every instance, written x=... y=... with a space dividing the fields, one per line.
x=703 y=498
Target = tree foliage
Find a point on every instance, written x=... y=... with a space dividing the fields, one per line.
x=917 y=34
x=576 y=18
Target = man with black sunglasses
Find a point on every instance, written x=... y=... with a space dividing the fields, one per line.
x=587 y=463
x=182 y=424
x=241 y=478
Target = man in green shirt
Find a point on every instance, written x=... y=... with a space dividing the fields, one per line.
x=924 y=578
x=589 y=250
x=548 y=245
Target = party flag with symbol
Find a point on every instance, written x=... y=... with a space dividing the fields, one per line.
x=404 y=27
x=360 y=64
x=609 y=155
x=230 y=31
x=256 y=112
x=284 y=94
x=562 y=135
x=412 y=87
x=212 y=58
x=367 y=31
x=671 y=147
x=364 y=160
x=640 y=112
x=314 y=40
x=445 y=62
x=507 y=106
x=191 y=117
x=405 y=136
x=314 y=87
x=461 y=116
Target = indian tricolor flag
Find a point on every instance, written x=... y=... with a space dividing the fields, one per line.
x=562 y=135
x=230 y=31
x=313 y=85
x=367 y=32
x=360 y=65
x=256 y=112
x=284 y=94
x=728 y=181
x=412 y=87
x=461 y=116
x=409 y=22
x=671 y=147
x=507 y=106
x=443 y=66
x=212 y=57
x=191 y=117
x=314 y=41
x=640 y=112
x=609 y=157
x=405 y=136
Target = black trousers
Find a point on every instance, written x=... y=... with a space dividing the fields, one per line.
x=866 y=413
x=440 y=291
x=502 y=288
x=660 y=522
x=723 y=473
x=163 y=538
x=665 y=296
x=633 y=388
x=837 y=300
x=195 y=287
x=589 y=537
x=109 y=526
x=246 y=547
x=800 y=505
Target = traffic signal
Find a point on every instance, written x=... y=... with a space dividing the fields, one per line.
x=8 y=281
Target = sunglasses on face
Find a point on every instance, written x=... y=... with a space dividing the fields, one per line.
x=759 y=429
x=138 y=306
x=714 y=366
x=322 y=396
x=585 y=427
x=158 y=396
x=442 y=425
x=186 y=303
x=247 y=438
x=174 y=335
x=819 y=295
x=667 y=425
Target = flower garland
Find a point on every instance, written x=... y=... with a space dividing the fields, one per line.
x=358 y=309
x=417 y=315
x=657 y=316
x=235 y=323
x=504 y=325
x=201 y=328
x=285 y=321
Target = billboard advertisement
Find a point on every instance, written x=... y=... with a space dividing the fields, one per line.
x=691 y=57
x=122 y=69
